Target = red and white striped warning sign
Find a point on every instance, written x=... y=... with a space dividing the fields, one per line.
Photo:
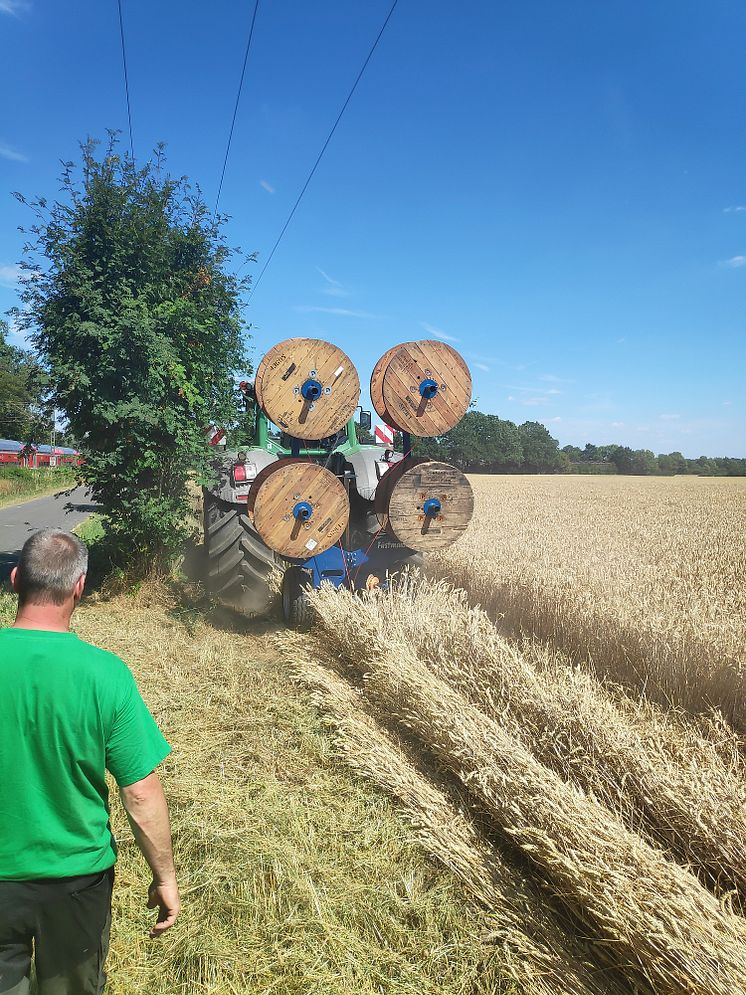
x=384 y=435
x=215 y=436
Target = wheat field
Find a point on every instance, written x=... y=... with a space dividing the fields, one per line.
x=558 y=708
x=641 y=576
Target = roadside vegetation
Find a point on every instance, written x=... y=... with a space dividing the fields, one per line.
x=18 y=483
x=134 y=314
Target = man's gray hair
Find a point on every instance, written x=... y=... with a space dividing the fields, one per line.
x=50 y=565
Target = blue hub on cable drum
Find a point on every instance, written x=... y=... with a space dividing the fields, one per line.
x=428 y=389
x=311 y=390
x=432 y=507
x=303 y=510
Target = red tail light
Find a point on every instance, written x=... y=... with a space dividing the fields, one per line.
x=239 y=473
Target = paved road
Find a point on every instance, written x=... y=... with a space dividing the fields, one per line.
x=63 y=511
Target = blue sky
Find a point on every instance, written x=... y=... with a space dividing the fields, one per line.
x=557 y=189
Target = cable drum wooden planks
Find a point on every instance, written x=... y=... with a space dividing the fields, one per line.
x=430 y=505
x=300 y=509
x=423 y=388
x=376 y=385
x=308 y=388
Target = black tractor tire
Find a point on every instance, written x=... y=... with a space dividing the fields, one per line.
x=238 y=564
x=296 y=605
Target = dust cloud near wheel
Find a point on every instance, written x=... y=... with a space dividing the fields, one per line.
x=308 y=388
x=430 y=504
x=300 y=509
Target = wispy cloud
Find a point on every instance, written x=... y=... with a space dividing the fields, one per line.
x=735 y=262
x=438 y=333
x=342 y=312
x=482 y=366
x=14 y=7
x=9 y=275
x=552 y=378
x=265 y=185
x=333 y=287
x=735 y=209
x=546 y=391
x=727 y=404
x=8 y=152
x=329 y=279
x=669 y=417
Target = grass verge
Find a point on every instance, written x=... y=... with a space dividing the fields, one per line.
x=18 y=484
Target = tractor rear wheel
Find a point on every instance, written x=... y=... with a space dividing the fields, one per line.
x=238 y=563
x=296 y=606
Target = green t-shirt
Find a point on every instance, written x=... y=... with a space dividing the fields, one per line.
x=68 y=711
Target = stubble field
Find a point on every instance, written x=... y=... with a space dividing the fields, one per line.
x=559 y=709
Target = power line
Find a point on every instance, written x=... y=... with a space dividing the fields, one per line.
x=235 y=109
x=126 y=79
x=323 y=150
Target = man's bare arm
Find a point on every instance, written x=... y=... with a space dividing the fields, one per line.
x=147 y=811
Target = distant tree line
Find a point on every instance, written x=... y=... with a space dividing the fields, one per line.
x=483 y=443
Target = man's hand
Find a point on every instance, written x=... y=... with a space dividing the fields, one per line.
x=163 y=895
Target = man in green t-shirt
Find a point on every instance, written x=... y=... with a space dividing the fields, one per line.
x=69 y=712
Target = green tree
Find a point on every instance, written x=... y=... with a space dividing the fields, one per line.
x=480 y=442
x=672 y=463
x=636 y=461
x=137 y=321
x=22 y=415
x=540 y=451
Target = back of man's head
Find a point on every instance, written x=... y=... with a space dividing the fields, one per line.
x=50 y=565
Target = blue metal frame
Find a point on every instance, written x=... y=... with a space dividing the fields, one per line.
x=352 y=567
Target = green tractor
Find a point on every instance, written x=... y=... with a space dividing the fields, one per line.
x=240 y=565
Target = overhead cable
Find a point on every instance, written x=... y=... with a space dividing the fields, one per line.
x=323 y=150
x=126 y=79
x=235 y=109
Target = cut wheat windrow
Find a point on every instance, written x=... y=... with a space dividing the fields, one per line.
x=540 y=951
x=659 y=922
x=657 y=773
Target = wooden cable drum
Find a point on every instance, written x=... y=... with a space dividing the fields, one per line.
x=376 y=386
x=426 y=388
x=265 y=472
x=429 y=505
x=386 y=485
x=300 y=509
x=307 y=387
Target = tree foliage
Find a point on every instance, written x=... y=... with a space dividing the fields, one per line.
x=135 y=318
x=22 y=413
x=483 y=443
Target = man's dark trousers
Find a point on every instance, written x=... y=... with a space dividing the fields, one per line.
x=65 y=923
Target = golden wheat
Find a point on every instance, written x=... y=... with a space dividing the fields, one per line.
x=655 y=771
x=663 y=927
x=644 y=578
x=536 y=949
